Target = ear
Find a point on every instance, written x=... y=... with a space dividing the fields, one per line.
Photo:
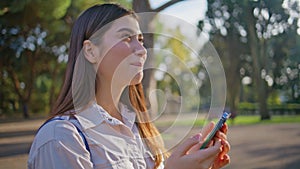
x=89 y=51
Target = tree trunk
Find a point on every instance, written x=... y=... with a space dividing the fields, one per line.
x=256 y=47
x=226 y=47
x=25 y=109
x=263 y=88
x=233 y=73
x=149 y=82
x=262 y=100
x=24 y=94
x=52 y=97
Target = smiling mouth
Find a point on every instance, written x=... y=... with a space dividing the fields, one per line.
x=138 y=64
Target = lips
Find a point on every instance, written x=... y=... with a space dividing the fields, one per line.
x=139 y=64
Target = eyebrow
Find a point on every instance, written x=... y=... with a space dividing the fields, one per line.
x=129 y=30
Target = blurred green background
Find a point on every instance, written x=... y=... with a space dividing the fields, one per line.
x=258 y=42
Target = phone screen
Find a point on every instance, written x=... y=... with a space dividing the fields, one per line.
x=217 y=127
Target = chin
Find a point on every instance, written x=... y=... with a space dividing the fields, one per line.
x=137 y=78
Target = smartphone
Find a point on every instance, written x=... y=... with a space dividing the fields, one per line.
x=217 y=127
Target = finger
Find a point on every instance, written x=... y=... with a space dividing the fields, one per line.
x=197 y=146
x=224 y=128
x=225 y=148
x=219 y=163
x=225 y=160
x=207 y=129
x=212 y=142
x=221 y=135
x=183 y=148
x=205 y=158
x=207 y=163
x=209 y=152
x=226 y=145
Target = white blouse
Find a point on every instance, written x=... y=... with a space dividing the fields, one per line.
x=112 y=143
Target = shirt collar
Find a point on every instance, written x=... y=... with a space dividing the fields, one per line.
x=94 y=115
x=127 y=115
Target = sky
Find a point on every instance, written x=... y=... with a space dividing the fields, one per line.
x=190 y=10
x=185 y=15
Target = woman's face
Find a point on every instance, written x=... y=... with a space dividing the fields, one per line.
x=124 y=54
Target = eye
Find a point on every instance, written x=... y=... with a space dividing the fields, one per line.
x=141 y=39
x=127 y=37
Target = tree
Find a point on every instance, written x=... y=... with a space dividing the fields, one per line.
x=33 y=47
x=140 y=7
x=24 y=48
x=254 y=23
x=221 y=35
x=286 y=69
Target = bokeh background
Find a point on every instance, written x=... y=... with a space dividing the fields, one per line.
x=257 y=41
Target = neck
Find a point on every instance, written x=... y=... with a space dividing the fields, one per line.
x=108 y=96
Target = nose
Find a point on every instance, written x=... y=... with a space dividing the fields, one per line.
x=140 y=50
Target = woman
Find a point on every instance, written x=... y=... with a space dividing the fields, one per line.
x=94 y=125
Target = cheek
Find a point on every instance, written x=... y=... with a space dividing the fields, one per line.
x=114 y=59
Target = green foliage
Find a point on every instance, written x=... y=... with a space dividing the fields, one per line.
x=33 y=50
x=80 y=5
x=274 y=98
x=177 y=46
x=251 y=108
x=239 y=120
x=177 y=77
x=51 y=9
x=13 y=6
x=252 y=120
x=247 y=106
x=257 y=37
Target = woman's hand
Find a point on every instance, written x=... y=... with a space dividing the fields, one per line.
x=188 y=154
x=223 y=158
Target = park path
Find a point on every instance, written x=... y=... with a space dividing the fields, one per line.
x=272 y=146
x=268 y=146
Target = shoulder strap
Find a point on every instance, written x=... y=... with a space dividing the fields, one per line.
x=77 y=127
x=82 y=135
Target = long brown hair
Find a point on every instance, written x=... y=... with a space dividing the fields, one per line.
x=80 y=75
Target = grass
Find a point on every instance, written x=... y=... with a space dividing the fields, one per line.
x=250 y=120
x=239 y=120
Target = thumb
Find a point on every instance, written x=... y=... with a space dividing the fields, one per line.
x=183 y=148
x=207 y=129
